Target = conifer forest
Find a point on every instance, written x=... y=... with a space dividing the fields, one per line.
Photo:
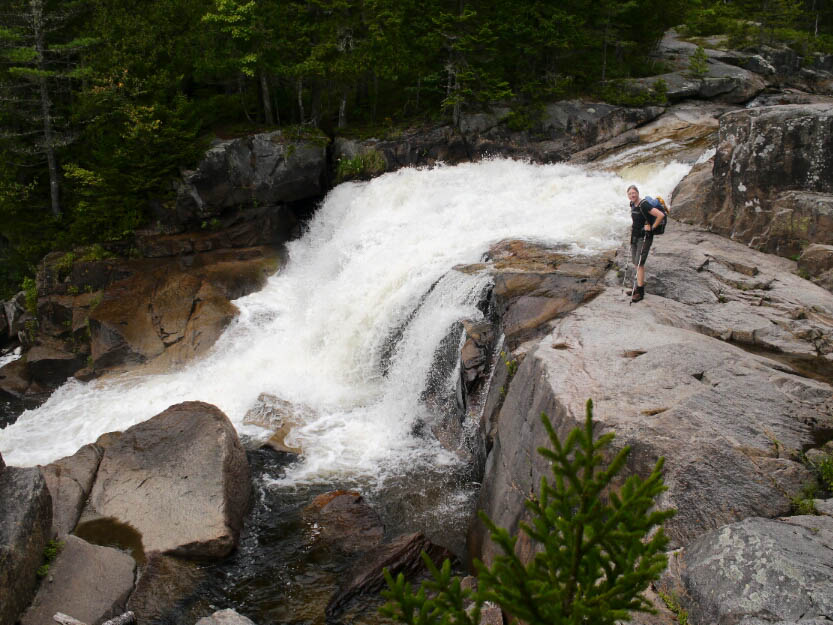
x=103 y=101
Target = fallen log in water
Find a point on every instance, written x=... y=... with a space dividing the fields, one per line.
x=128 y=618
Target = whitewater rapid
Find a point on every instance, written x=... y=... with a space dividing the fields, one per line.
x=316 y=334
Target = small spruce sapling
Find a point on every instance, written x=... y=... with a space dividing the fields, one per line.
x=599 y=548
x=698 y=64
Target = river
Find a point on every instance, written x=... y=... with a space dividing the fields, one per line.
x=348 y=330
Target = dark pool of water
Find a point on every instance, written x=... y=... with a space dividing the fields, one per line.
x=280 y=574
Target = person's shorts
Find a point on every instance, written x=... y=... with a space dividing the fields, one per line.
x=636 y=246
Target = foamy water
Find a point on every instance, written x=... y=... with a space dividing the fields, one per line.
x=10 y=356
x=316 y=333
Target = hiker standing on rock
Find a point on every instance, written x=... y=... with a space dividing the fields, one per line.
x=645 y=218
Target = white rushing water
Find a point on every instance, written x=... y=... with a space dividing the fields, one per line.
x=315 y=334
x=10 y=356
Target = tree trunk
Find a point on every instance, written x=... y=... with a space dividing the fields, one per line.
x=46 y=107
x=315 y=103
x=243 y=97
x=266 y=98
x=457 y=105
x=375 y=97
x=342 y=110
x=604 y=47
x=299 y=85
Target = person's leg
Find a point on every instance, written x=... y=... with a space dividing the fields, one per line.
x=640 y=270
x=639 y=291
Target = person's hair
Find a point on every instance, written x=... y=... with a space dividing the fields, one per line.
x=633 y=186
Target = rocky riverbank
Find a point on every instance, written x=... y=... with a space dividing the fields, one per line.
x=725 y=369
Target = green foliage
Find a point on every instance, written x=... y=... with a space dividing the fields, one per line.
x=825 y=472
x=600 y=548
x=95 y=252
x=802 y=25
x=625 y=94
x=30 y=292
x=64 y=265
x=672 y=602
x=698 y=64
x=361 y=167
x=511 y=365
x=134 y=93
x=50 y=552
x=803 y=502
x=138 y=154
x=822 y=468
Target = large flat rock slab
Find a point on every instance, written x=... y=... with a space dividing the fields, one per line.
x=181 y=479
x=701 y=375
x=25 y=524
x=87 y=582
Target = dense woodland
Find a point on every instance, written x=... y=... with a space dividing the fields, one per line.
x=101 y=101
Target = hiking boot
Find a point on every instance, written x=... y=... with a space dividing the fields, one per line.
x=638 y=294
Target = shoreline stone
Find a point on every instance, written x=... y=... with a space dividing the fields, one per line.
x=181 y=479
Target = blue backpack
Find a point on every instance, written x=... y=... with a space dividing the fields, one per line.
x=659 y=203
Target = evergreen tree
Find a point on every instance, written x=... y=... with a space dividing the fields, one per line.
x=40 y=59
x=599 y=548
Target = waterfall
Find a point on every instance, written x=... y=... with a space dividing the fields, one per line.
x=376 y=263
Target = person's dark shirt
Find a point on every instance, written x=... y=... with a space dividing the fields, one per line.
x=639 y=214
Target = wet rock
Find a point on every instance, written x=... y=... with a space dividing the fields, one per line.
x=682 y=133
x=15 y=379
x=243 y=228
x=25 y=525
x=4 y=327
x=210 y=316
x=126 y=312
x=476 y=352
x=87 y=582
x=669 y=378
x=15 y=310
x=761 y=570
x=50 y=366
x=181 y=479
x=183 y=308
x=535 y=284
x=342 y=519
x=164 y=581
x=225 y=617
x=263 y=169
x=564 y=128
x=402 y=555
x=70 y=481
x=85 y=374
x=279 y=416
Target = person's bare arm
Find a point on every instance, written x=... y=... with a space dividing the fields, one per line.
x=658 y=216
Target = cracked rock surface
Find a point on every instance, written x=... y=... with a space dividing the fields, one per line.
x=723 y=370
